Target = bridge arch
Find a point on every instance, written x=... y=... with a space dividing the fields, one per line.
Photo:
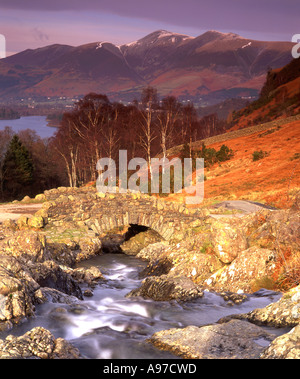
x=104 y=212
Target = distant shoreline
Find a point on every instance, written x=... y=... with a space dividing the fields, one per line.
x=39 y=123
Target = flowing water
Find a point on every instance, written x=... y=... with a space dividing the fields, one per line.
x=109 y=325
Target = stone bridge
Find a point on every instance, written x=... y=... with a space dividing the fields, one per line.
x=104 y=212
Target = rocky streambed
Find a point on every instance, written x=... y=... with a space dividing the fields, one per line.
x=68 y=291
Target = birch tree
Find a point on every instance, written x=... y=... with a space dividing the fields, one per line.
x=149 y=105
x=167 y=117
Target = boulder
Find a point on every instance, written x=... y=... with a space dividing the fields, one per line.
x=40 y=197
x=154 y=251
x=22 y=222
x=227 y=240
x=252 y=266
x=164 y=288
x=89 y=275
x=16 y=306
x=235 y=339
x=8 y=284
x=62 y=253
x=136 y=243
x=36 y=222
x=27 y=245
x=286 y=346
x=50 y=274
x=37 y=343
x=89 y=246
x=45 y=295
x=9 y=224
x=283 y=313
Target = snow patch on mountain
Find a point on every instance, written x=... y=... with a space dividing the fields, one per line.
x=248 y=44
x=100 y=44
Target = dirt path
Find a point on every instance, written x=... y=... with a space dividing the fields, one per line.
x=14 y=211
x=244 y=205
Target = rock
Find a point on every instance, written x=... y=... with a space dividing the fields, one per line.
x=139 y=241
x=9 y=224
x=26 y=199
x=235 y=298
x=8 y=284
x=61 y=253
x=16 y=306
x=275 y=230
x=40 y=197
x=286 y=346
x=89 y=247
x=164 y=288
x=36 y=222
x=232 y=340
x=22 y=221
x=244 y=272
x=89 y=275
x=11 y=264
x=228 y=241
x=156 y=268
x=154 y=251
x=111 y=243
x=28 y=246
x=37 y=343
x=283 y=313
x=45 y=295
x=296 y=204
x=88 y=293
x=49 y=274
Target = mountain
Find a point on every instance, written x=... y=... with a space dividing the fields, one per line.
x=279 y=97
x=213 y=66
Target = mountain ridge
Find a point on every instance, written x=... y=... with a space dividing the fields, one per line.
x=176 y=64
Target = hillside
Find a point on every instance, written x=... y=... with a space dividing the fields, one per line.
x=266 y=162
x=279 y=97
x=207 y=69
x=274 y=179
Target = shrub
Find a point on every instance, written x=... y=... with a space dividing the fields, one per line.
x=224 y=154
x=257 y=155
x=210 y=155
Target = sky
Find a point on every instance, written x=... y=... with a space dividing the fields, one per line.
x=29 y=24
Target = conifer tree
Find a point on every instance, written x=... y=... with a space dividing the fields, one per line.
x=17 y=169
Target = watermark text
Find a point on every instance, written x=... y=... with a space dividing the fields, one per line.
x=161 y=176
x=2 y=46
x=296 y=48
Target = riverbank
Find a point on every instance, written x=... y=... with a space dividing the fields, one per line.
x=233 y=256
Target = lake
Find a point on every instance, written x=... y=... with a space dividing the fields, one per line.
x=37 y=123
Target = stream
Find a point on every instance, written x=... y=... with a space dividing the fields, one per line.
x=109 y=325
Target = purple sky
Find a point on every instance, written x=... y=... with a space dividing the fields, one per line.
x=36 y=23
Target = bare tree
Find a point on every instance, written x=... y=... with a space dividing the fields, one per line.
x=189 y=117
x=167 y=117
x=149 y=105
x=79 y=140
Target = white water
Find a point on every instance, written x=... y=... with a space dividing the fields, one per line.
x=109 y=325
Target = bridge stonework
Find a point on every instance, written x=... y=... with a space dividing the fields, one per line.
x=104 y=212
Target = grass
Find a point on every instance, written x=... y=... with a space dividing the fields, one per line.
x=53 y=234
x=287 y=272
